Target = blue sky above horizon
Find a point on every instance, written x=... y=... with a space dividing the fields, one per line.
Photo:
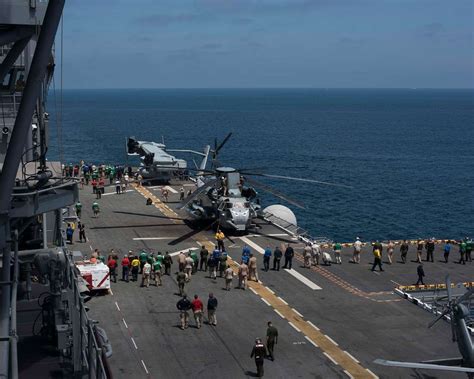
x=268 y=43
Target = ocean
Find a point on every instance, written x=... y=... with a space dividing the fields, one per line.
x=408 y=154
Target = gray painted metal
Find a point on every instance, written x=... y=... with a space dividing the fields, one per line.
x=12 y=56
x=22 y=12
x=15 y=34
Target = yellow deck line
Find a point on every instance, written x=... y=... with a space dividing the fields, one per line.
x=333 y=351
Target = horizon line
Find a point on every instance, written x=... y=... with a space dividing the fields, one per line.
x=267 y=88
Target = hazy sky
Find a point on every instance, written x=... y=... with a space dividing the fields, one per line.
x=268 y=43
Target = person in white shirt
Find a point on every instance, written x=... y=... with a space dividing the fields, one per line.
x=146 y=275
x=357 y=250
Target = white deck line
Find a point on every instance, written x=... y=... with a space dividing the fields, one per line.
x=314 y=326
x=253 y=245
x=298 y=313
x=118 y=308
x=278 y=313
x=330 y=358
x=283 y=301
x=351 y=356
x=152 y=238
x=348 y=374
x=144 y=366
x=171 y=189
x=125 y=323
x=134 y=344
x=303 y=279
x=311 y=341
x=270 y=290
x=372 y=374
x=255 y=292
x=330 y=339
x=265 y=301
x=181 y=251
x=114 y=193
x=294 y=326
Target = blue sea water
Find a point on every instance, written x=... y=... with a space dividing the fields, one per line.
x=408 y=154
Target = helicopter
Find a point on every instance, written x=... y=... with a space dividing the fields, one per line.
x=228 y=196
x=460 y=334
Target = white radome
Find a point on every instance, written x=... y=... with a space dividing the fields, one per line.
x=282 y=212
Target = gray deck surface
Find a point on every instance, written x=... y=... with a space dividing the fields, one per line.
x=355 y=307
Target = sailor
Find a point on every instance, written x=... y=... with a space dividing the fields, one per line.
x=337 y=252
x=390 y=248
x=253 y=274
x=357 y=250
x=100 y=188
x=377 y=260
x=259 y=352
x=277 y=254
x=184 y=305
x=246 y=254
x=307 y=255
x=211 y=309
x=78 y=207
x=118 y=187
x=469 y=246
x=181 y=194
x=228 y=275
x=222 y=264
x=167 y=261
x=267 y=254
x=82 y=231
x=421 y=274
x=289 y=254
x=112 y=263
x=135 y=268
x=143 y=258
x=243 y=273
x=146 y=274
x=203 y=262
x=189 y=267
x=197 y=307
x=272 y=339
x=404 y=251
x=419 y=250
x=220 y=239
x=447 y=249
x=462 y=252
x=95 y=209
x=125 y=268
x=430 y=246
x=157 y=272
x=94 y=186
x=181 y=261
x=181 y=279
x=315 y=253
x=195 y=258
x=69 y=233
x=212 y=265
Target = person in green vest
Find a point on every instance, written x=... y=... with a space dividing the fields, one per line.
x=101 y=257
x=337 y=252
x=95 y=174
x=157 y=264
x=95 y=208
x=78 y=207
x=222 y=263
x=469 y=245
x=195 y=258
x=462 y=252
x=143 y=258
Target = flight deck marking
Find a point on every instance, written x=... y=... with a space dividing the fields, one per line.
x=348 y=374
x=283 y=301
x=118 y=308
x=125 y=323
x=294 y=310
x=372 y=374
x=153 y=238
x=303 y=279
x=171 y=189
x=294 y=326
x=144 y=366
x=114 y=193
x=330 y=339
x=266 y=302
x=134 y=344
x=351 y=356
x=310 y=331
x=330 y=358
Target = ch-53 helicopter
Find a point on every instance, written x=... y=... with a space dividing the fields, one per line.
x=227 y=196
x=460 y=334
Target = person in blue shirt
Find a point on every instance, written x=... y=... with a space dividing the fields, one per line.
x=266 y=258
x=246 y=254
x=447 y=249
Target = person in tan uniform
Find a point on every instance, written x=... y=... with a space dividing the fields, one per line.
x=253 y=275
x=181 y=261
x=228 y=275
x=243 y=273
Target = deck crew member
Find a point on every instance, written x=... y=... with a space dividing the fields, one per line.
x=469 y=246
x=167 y=261
x=243 y=273
x=184 y=305
x=277 y=254
x=181 y=279
x=197 y=307
x=211 y=309
x=78 y=207
x=204 y=253
x=135 y=268
x=307 y=255
x=189 y=267
x=253 y=274
x=430 y=246
x=112 y=263
x=82 y=232
x=95 y=208
x=220 y=240
x=246 y=254
x=181 y=261
x=419 y=250
x=157 y=272
x=143 y=258
x=125 y=268
x=272 y=339
x=357 y=250
x=228 y=275
x=462 y=252
x=266 y=258
x=146 y=274
x=259 y=351
x=404 y=251
x=390 y=248
x=337 y=252
x=377 y=260
x=447 y=249
x=421 y=274
x=289 y=254
x=222 y=264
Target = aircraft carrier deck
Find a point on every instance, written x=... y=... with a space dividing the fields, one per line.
x=332 y=321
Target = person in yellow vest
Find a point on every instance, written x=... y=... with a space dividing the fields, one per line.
x=220 y=240
x=377 y=260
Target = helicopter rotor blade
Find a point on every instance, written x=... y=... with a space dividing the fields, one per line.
x=221 y=145
x=297 y=179
x=448 y=288
x=196 y=193
x=465 y=296
x=444 y=313
x=275 y=193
